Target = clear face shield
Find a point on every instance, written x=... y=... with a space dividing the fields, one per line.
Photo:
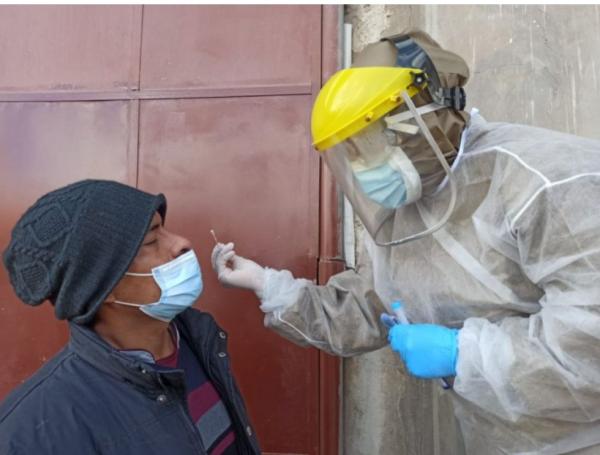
x=378 y=177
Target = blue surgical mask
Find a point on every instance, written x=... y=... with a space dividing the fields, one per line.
x=383 y=185
x=392 y=184
x=180 y=282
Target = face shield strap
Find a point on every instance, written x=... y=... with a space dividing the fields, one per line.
x=402 y=117
x=440 y=156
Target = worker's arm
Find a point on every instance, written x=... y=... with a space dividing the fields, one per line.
x=341 y=317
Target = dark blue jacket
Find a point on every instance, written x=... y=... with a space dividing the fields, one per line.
x=91 y=399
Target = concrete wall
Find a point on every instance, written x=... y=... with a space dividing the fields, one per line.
x=538 y=65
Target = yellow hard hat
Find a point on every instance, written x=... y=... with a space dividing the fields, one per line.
x=355 y=97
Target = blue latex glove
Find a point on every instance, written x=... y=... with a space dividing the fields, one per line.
x=428 y=351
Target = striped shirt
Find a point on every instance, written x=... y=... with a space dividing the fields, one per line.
x=207 y=410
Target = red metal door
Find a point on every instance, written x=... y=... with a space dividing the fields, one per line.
x=210 y=105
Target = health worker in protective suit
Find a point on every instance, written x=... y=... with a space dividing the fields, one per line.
x=488 y=234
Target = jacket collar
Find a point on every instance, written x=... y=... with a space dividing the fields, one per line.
x=147 y=356
x=88 y=345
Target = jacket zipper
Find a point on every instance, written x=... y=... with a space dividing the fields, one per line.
x=234 y=415
x=205 y=356
x=183 y=408
x=226 y=396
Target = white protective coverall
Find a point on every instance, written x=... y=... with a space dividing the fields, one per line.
x=516 y=268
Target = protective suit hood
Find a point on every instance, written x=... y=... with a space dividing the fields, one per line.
x=446 y=125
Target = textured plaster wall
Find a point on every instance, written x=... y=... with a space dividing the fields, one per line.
x=536 y=64
x=533 y=64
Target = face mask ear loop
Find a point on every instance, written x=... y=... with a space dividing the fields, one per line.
x=451 y=180
x=137 y=305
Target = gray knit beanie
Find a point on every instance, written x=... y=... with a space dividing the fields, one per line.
x=75 y=243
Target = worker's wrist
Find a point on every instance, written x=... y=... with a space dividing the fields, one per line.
x=280 y=289
x=259 y=283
